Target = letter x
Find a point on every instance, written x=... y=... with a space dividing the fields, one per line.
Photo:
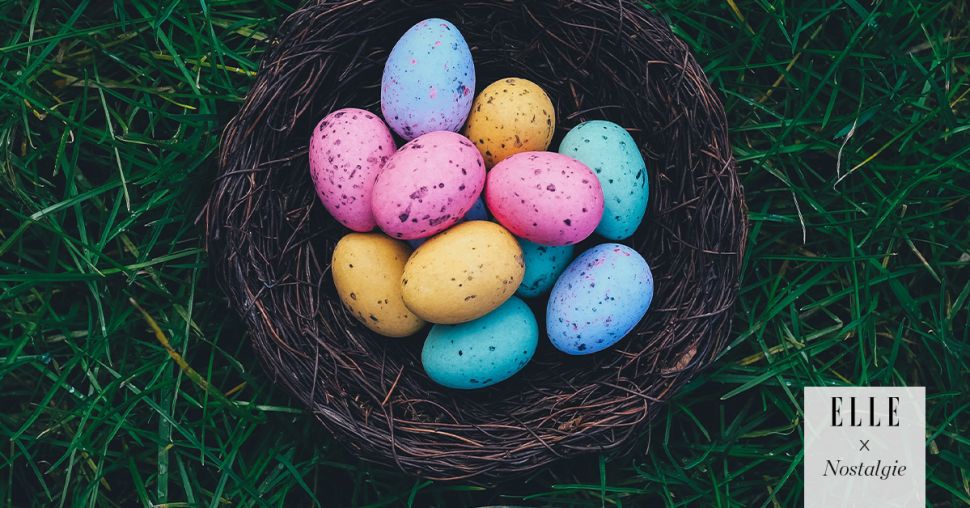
x=865 y=445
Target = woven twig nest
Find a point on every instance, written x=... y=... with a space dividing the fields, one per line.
x=270 y=240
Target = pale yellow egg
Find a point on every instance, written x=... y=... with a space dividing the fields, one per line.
x=367 y=270
x=463 y=273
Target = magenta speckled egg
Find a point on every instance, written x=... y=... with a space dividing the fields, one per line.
x=428 y=185
x=348 y=148
x=544 y=197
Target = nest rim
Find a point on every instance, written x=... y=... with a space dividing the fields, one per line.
x=270 y=240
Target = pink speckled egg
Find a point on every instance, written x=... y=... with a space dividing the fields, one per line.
x=348 y=148
x=544 y=197
x=428 y=185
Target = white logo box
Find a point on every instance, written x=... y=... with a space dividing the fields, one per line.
x=865 y=447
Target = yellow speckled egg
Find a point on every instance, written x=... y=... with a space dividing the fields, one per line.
x=367 y=270
x=463 y=273
x=511 y=115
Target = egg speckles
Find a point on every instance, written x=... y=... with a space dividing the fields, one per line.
x=510 y=116
x=429 y=80
x=472 y=225
x=463 y=273
x=366 y=269
x=482 y=352
x=599 y=299
x=347 y=150
x=477 y=212
x=612 y=154
x=428 y=185
x=545 y=197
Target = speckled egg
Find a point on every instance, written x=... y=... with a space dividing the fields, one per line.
x=367 y=270
x=427 y=185
x=545 y=197
x=543 y=264
x=348 y=148
x=510 y=116
x=429 y=80
x=612 y=154
x=600 y=297
x=482 y=352
x=477 y=212
x=463 y=273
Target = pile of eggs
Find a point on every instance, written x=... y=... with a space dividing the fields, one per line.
x=438 y=258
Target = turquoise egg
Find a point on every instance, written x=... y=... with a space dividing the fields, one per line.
x=543 y=264
x=612 y=154
x=482 y=352
x=599 y=299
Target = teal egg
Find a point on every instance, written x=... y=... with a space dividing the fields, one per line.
x=612 y=154
x=543 y=264
x=482 y=352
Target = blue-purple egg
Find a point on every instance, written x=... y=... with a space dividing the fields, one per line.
x=599 y=299
x=429 y=80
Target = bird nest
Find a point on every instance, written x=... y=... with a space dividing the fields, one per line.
x=270 y=240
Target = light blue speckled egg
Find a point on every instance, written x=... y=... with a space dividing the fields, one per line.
x=543 y=264
x=429 y=80
x=600 y=297
x=476 y=212
x=612 y=154
x=482 y=352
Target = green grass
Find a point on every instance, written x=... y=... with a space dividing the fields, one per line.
x=850 y=124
